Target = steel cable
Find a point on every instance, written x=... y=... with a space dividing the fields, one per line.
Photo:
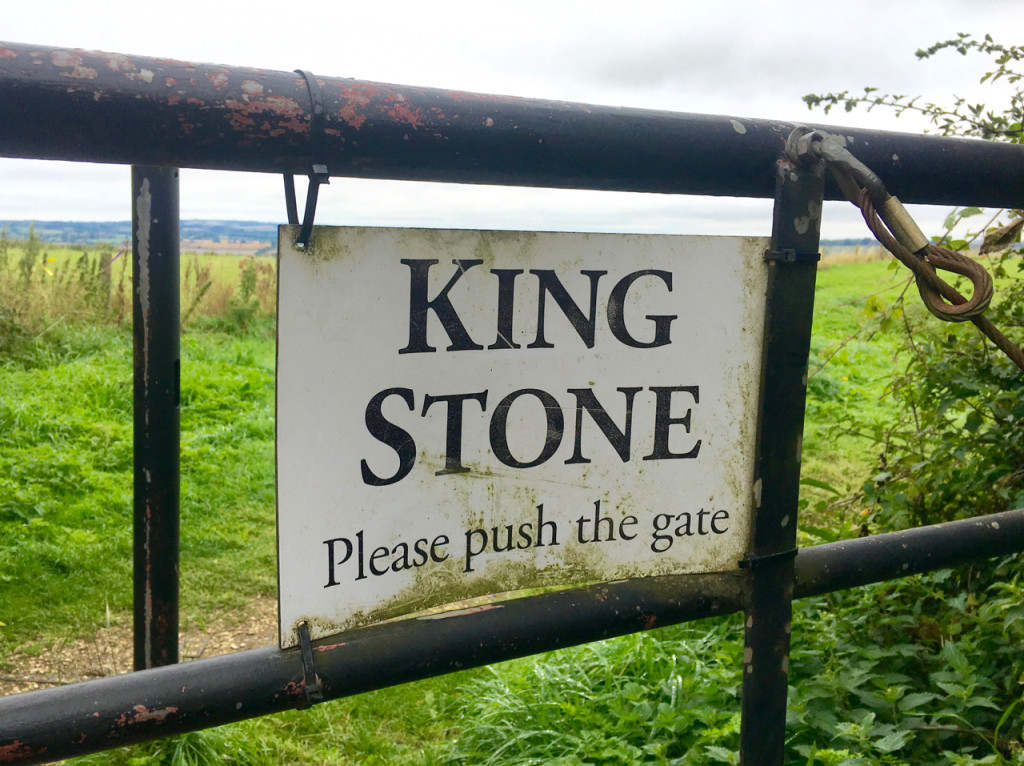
x=939 y=297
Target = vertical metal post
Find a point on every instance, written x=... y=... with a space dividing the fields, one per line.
x=790 y=303
x=156 y=323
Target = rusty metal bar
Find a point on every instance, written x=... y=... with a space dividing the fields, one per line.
x=792 y=268
x=104 y=107
x=156 y=334
x=151 y=704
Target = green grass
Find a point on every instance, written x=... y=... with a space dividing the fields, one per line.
x=66 y=468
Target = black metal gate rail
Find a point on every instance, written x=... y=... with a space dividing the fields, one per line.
x=102 y=107
x=85 y=106
x=81 y=718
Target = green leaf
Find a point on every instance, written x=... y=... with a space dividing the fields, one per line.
x=820 y=485
x=915 y=700
x=973 y=422
x=956 y=658
x=892 y=742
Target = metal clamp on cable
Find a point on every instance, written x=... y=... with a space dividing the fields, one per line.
x=318 y=169
x=851 y=174
x=314 y=693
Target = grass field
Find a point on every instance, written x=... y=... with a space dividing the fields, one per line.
x=670 y=696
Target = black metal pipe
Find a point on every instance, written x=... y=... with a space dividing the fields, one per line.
x=150 y=704
x=851 y=563
x=155 y=330
x=103 y=107
x=158 y=703
x=789 y=311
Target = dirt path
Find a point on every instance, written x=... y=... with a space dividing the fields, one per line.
x=109 y=652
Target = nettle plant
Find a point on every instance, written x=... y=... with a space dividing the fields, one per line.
x=937 y=663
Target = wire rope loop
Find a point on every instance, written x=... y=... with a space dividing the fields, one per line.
x=939 y=297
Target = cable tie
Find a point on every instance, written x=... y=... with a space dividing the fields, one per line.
x=311 y=679
x=318 y=168
x=790 y=256
x=751 y=561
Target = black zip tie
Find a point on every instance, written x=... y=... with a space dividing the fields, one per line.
x=314 y=693
x=318 y=169
x=790 y=256
x=754 y=562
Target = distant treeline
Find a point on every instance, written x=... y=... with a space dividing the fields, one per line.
x=118 y=232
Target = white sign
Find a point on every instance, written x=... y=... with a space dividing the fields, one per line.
x=471 y=412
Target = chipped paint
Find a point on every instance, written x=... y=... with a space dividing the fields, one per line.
x=329 y=647
x=65 y=59
x=143 y=212
x=287 y=113
x=802 y=224
x=17 y=751
x=117 y=62
x=404 y=114
x=738 y=126
x=141 y=714
x=217 y=79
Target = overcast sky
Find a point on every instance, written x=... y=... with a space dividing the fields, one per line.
x=742 y=59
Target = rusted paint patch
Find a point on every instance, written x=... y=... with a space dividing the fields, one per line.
x=7 y=53
x=142 y=713
x=329 y=647
x=83 y=73
x=69 y=59
x=287 y=110
x=117 y=62
x=65 y=59
x=17 y=750
x=217 y=79
x=402 y=113
x=252 y=88
x=357 y=97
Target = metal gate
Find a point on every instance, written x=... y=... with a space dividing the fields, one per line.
x=160 y=115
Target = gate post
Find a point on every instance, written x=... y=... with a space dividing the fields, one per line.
x=156 y=350
x=792 y=267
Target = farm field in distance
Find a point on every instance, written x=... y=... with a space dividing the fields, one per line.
x=897 y=673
